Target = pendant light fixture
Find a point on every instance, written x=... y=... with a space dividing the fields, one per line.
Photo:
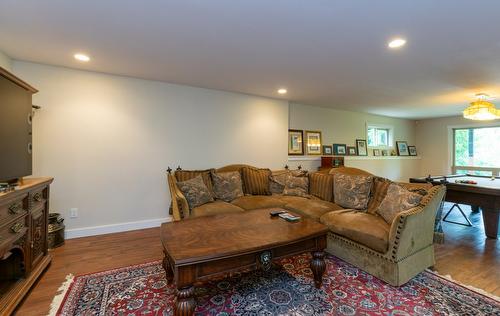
x=481 y=109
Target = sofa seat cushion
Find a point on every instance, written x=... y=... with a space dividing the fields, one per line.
x=252 y=202
x=285 y=199
x=364 y=228
x=311 y=207
x=214 y=208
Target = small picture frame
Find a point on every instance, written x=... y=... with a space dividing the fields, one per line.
x=385 y=152
x=295 y=142
x=327 y=150
x=412 y=150
x=351 y=151
x=376 y=152
x=340 y=149
x=361 y=147
x=402 y=148
x=313 y=142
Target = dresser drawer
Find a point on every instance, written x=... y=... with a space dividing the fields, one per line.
x=13 y=230
x=13 y=208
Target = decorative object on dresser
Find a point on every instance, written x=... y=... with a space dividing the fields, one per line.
x=402 y=148
x=339 y=149
x=295 y=142
x=329 y=162
x=313 y=142
x=376 y=152
x=361 y=147
x=23 y=240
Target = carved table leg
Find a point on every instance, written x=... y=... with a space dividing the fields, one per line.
x=491 y=218
x=185 y=304
x=318 y=267
x=168 y=269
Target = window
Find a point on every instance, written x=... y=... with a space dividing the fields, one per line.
x=379 y=136
x=476 y=150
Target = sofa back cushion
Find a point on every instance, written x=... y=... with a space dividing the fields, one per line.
x=321 y=186
x=184 y=175
x=352 y=191
x=195 y=191
x=397 y=199
x=378 y=193
x=256 y=181
x=227 y=185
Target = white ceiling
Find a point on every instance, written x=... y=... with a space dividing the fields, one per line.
x=325 y=52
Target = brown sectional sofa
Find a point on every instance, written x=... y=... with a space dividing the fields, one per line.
x=392 y=252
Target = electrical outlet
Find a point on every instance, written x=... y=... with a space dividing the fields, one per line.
x=73 y=213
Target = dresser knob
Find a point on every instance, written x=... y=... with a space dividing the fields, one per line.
x=38 y=196
x=15 y=208
x=17 y=227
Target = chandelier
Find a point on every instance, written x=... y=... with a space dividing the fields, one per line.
x=481 y=109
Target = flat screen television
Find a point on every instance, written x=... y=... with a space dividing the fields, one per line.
x=15 y=127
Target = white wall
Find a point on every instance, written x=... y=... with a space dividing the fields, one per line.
x=5 y=61
x=435 y=142
x=108 y=140
x=344 y=127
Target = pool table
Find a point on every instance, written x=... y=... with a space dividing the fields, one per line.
x=485 y=194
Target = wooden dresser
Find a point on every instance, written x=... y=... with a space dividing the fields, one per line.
x=23 y=240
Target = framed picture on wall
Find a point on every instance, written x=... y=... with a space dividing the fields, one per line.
x=412 y=150
x=402 y=148
x=313 y=142
x=295 y=142
x=361 y=147
x=340 y=149
x=327 y=150
x=351 y=151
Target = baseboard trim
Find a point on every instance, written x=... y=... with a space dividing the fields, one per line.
x=114 y=228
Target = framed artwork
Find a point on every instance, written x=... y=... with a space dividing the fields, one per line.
x=402 y=148
x=351 y=151
x=295 y=142
x=376 y=152
x=313 y=142
x=340 y=149
x=361 y=147
x=412 y=150
x=385 y=152
x=327 y=150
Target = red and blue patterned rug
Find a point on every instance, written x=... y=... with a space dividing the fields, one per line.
x=143 y=290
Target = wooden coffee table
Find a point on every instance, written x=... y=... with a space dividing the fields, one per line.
x=200 y=248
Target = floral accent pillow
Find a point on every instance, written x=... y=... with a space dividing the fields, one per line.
x=296 y=186
x=227 y=185
x=195 y=191
x=352 y=191
x=398 y=199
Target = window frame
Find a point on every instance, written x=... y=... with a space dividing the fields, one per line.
x=390 y=136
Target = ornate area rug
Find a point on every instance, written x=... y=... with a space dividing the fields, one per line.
x=143 y=290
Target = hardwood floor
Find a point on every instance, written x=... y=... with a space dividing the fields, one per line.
x=466 y=255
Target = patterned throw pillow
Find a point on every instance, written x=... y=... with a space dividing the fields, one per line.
x=256 y=181
x=397 y=200
x=321 y=185
x=352 y=191
x=277 y=181
x=195 y=191
x=183 y=175
x=227 y=185
x=297 y=186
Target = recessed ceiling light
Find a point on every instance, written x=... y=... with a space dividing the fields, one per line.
x=282 y=91
x=397 y=43
x=82 y=57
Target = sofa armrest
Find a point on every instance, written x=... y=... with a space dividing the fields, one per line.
x=180 y=206
x=413 y=230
